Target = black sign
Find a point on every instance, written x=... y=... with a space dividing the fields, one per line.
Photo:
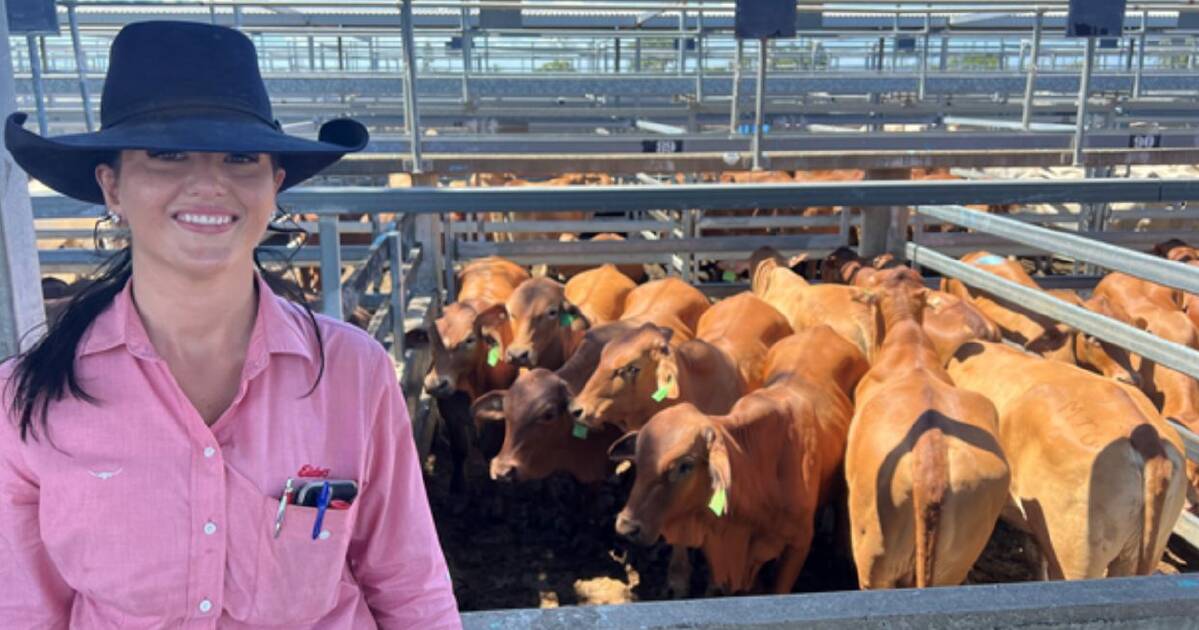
x=1095 y=18
x=662 y=146
x=756 y=19
x=31 y=17
x=1145 y=141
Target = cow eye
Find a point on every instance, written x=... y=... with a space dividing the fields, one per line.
x=470 y=340
x=682 y=469
x=549 y=416
x=553 y=312
x=628 y=372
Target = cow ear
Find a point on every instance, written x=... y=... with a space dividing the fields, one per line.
x=667 y=377
x=489 y=407
x=797 y=259
x=488 y=322
x=718 y=461
x=624 y=449
x=578 y=321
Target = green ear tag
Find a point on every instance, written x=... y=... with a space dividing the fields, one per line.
x=660 y=395
x=729 y=276
x=580 y=431
x=566 y=318
x=718 y=503
x=493 y=356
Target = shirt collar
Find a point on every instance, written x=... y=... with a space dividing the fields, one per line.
x=280 y=327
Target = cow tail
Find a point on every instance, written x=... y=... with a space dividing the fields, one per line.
x=930 y=475
x=1158 y=472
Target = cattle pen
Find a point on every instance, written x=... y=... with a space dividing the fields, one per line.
x=883 y=92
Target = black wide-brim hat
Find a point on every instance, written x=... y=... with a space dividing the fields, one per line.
x=178 y=86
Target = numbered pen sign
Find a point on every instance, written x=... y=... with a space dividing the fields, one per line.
x=661 y=146
x=31 y=17
x=1145 y=141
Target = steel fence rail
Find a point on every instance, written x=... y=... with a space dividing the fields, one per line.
x=1152 y=268
x=1169 y=354
x=373 y=200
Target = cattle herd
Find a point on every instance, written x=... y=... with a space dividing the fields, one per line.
x=902 y=421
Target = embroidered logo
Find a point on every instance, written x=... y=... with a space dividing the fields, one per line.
x=308 y=470
x=105 y=476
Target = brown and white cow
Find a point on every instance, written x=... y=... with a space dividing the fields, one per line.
x=745 y=487
x=1097 y=474
x=927 y=477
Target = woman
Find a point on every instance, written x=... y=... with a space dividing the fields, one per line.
x=154 y=429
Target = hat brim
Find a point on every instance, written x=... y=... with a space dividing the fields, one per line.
x=67 y=163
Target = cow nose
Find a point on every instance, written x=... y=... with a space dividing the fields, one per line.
x=519 y=356
x=502 y=471
x=628 y=528
x=437 y=386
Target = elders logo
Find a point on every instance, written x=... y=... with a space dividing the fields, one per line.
x=308 y=470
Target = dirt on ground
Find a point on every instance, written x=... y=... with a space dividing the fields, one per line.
x=551 y=543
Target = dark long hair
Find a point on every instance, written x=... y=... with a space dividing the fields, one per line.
x=46 y=372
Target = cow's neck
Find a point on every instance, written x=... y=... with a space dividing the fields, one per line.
x=1180 y=394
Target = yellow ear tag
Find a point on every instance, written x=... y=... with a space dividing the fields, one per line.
x=728 y=276
x=566 y=319
x=719 y=502
x=493 y=356
x=661 y=394
x=580 y=431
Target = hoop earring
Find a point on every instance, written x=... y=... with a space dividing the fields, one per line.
x=108 y=219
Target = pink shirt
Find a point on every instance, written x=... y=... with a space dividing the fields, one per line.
x=141 y=516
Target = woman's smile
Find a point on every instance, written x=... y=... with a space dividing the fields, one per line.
x=205 y=220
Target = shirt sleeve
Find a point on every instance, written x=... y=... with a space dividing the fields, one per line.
x=34 y=595
x=395 y=554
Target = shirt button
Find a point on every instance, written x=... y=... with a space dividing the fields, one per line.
x=210 y=528
x=205 y=606
x=325 y=534
x=209 y=451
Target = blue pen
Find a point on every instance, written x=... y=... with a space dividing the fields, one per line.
x=322 y=504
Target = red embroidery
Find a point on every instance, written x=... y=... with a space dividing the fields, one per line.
x=308 y=470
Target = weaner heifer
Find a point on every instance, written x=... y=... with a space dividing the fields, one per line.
x=1097 y=474
x=745 y=487
x=927 y=477
x=465 y=357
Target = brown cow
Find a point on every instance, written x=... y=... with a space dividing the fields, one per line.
x=546 y=327
x=1035 y=332
x=639 y=374
x=745 y=486
x=669 y=303
x=634 y=272
x=804 y=305
x=844 y=266
x=1097 y=474
x=599 y=293
x=463 y=347
x=539 y=434
x=927 y=478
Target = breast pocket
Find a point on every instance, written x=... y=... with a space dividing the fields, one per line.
x=298 y=575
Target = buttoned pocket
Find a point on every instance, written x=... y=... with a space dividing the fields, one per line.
x=297 y=574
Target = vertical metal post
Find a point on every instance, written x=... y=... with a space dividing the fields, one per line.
x=1141 y=41
x=681 y=56
x=699 y=58
x=411 y=111
x=330 y=266
x=882 y=54
x=637 y=55
x=943 y=60
x=733 y=105
x=311 y=54
x=1084 y=90
x=1030 y=85
x=759 y=103
x=39 y=96
x=399 y=294
x=924 y=57
x=341 y=56
x=616 y=55
x=466 y=57
x=21 y=310
x=81 y=68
